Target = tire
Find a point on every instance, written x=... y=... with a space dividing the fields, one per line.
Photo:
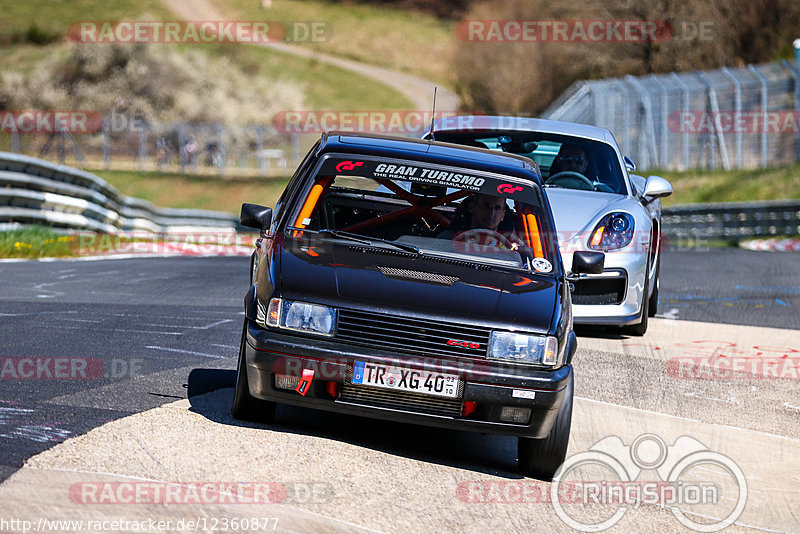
x=652 y=306
x=640 y=328
x=246 y=407
x=541 y=458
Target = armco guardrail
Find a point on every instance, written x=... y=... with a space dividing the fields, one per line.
x=732 y=221
x=37 y=191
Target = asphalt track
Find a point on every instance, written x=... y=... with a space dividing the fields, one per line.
x=164 y=332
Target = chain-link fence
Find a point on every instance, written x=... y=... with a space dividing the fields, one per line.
x=743 y=117
x=130 y=143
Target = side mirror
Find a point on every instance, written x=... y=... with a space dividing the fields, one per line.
x=656 y=187
x=629 y=164
x=255 y=216
x=585 y=262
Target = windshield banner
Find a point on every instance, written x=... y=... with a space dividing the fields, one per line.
x=419 y=172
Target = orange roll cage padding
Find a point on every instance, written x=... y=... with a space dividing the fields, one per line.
x=530 y=226
x=311 y=202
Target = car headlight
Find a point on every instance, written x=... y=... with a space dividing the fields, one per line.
x=523 y=348
x=301 y=316
x=614 y=231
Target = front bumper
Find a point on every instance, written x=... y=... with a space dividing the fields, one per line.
x=626 y=270
x=490 y=386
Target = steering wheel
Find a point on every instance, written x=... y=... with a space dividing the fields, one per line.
x=484 y=238
x=600 y=186
x=571 y=180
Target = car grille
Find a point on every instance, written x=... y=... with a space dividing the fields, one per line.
x=407 y=335
x=400 y=400
x=599 y=290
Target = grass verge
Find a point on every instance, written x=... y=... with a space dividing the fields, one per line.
x=412 y=42
x=36 y=242
x=324 y=86
x=691 y=187
x=42 y=21
x=173 y=190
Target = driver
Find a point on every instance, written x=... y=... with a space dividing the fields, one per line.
x=570 y=158
x=483 y=212
x=486 y=211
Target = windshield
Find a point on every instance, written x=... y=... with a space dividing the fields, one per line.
x=566 y=162
x=426 y=209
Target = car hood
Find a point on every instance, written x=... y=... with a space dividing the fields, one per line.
x=388 y=281
x=576 y=212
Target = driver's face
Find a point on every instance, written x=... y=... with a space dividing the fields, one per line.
x=487 y=211
x=573 y=159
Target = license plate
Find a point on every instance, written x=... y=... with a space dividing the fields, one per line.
x=398 y=378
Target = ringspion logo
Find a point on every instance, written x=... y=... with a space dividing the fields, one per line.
x=612 y=478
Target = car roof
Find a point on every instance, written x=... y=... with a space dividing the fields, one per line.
x=478 y=123
x=429 y=151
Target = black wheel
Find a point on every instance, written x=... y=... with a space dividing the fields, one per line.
x=652 y=306
x=641 y=327
x=246 y=407
x=541 y=458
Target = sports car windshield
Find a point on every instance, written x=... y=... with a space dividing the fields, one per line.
x=426 y=209
x=566 y=162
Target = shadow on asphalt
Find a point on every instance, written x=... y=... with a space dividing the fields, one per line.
x=599 y=332
x=489 y=454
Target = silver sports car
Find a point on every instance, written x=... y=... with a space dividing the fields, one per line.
x=598 y=205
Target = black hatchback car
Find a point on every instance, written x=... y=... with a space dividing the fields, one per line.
x=413 y=281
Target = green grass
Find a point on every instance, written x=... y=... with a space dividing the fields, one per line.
x=173 y=190
x=36 y=242
x=412 y=42
x=325 y=86
x=690 y=187
x=52 y=18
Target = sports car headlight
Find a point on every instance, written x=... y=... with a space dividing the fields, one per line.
x=614 y=231
x=301 y=316
x=523 y=348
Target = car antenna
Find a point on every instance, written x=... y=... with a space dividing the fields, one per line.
x=433 y=114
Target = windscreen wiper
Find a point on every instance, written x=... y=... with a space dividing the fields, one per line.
x=364 y=240
x=402 y=246
x=332 y=233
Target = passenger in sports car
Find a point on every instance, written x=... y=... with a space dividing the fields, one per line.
x=485 y=220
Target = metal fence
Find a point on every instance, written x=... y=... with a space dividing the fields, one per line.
x=131 y=143
x=743 y=117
